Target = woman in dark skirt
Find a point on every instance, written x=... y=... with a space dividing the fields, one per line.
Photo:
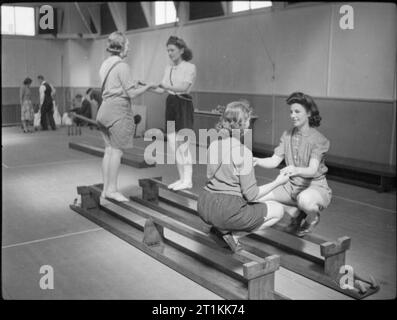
x=178 y=80
x=230 y=200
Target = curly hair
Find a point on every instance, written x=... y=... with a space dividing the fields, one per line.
x=116 y=42
x=27 y=81
x=236 y=114
x=187 y=54
x=310 y=106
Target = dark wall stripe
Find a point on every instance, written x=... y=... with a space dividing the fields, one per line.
x=357 y=129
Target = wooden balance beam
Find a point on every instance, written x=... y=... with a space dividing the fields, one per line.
x=312 y=256
x=75 y=129
x=240 y=275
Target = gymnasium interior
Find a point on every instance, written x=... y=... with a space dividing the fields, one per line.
x=343 y=54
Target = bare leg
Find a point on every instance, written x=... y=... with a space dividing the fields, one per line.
x=290 y=206
x=114 y=166
x=184 y=160
x=25 y=129
x=275 y=213
x=172 y=144
x=311 y=202
x=105 y=170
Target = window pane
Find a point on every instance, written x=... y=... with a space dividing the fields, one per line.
x=159 y=9
x=238 y=6
x=165 y=12
x=260 y=4
x=170 y=12
x=7 y=20
x=24 y=21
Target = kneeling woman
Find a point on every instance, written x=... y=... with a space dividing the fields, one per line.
x=229 y=201
x=303 y=148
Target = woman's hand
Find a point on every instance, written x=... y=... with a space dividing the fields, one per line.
x=164 y=86
x=152 y=85
x=282 y=178
x=290 y=171
x=255 y=161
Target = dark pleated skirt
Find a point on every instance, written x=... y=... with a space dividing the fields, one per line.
x=179 y=110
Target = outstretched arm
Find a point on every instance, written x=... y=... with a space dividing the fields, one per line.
x=305 y=172
x=281 y=179
x=268 y=163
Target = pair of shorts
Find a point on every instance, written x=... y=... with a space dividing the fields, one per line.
x=230 y=212
x=180 y=111
x=292 y=191
x=120 y=134
x=26 y=110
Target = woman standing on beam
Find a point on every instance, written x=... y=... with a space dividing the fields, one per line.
x=178 y=81
x=115 y=116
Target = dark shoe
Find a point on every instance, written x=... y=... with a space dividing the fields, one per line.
x=234 y=245
x=308 y=227
x=217 y=235
x=296 y=222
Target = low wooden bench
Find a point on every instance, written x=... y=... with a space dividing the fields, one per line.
x=380 y=177
x=312 y=256
x=232 y=275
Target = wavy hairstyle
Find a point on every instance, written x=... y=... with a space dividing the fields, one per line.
x=310 y=106
x=116 y=43
x=236 y=114
x=187 y=54
x=27 y=81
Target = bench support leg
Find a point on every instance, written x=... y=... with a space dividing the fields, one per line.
x=150 y=190
x=153 y=234
x=88 y=199
x=260 y=276
x=335 y=256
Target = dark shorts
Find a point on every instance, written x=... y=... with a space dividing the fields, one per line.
x=119 y=135
x=179 y=110
x=229 y=212
x=292 y=191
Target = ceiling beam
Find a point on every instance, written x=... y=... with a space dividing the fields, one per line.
x=119 y=14
x=148 y=12
x=183 y=11
x=70 y=36
x=95 y=15
x=226 y=7
x=83 y=17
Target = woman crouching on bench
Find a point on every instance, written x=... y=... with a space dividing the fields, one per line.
x=229 y=201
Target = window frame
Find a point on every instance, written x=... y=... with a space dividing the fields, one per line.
x=249 y=11
x=15 y=34
x=155 y=24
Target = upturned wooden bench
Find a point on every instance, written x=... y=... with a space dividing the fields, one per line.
x=312 y=256
x=232 y=275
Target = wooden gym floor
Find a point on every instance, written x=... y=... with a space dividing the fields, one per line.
x=40 y=175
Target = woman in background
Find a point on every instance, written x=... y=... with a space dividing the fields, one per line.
x=26 y=105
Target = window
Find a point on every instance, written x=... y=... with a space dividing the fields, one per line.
x=238 y=6
x=165 y=12
x=17 y=20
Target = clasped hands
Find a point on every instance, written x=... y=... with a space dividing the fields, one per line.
x=286 y=173
x=151 y=85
